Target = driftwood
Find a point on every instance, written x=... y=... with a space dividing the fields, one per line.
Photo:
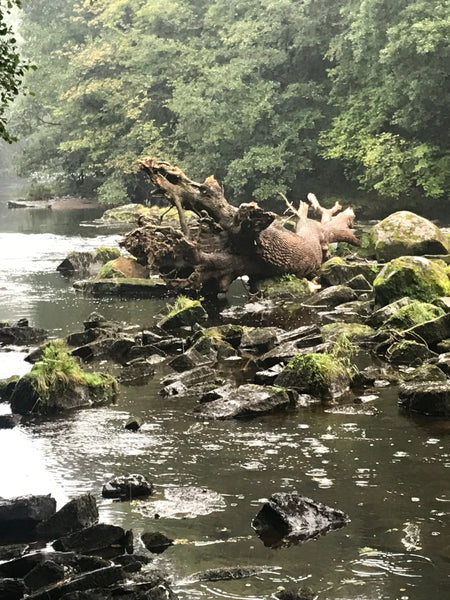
x=227 y=241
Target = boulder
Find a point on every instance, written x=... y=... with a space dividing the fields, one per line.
x=185 y=313
x=258 y=340
x=246 y=401
x=7 y=387
x=77 y=514
x=9 y=421
x=406 y=234
x=87 y=262
x=289 y=518
x=96 y=539
x=338 y=271
x=19 y=516
x=178 y=383
x=156 y=542
x=127 y=487
x=136 y=371
x=414 y=313
x=379 y=316
x=432 y=332
x=21 y=334
x=331 y=296
x=413 y=276
x=443 y=362
x=187 y=361
x=356 y=332
x=408 y=352
x=11 y=589
x=425 y=397
x=126 y=287
x=286 y=287
x=155 y=587
x=44 y=574
x=77 y=563
x=427 y=372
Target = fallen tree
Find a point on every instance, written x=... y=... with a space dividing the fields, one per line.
x=227 y=241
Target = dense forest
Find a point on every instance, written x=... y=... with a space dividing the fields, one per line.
x=277 y=96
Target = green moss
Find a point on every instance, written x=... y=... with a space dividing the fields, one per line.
x=104 y=254
x=413 y=314
x=108 y=271
x=286 y=286
x=317 y=370
x=182 y=303
x=331 y=332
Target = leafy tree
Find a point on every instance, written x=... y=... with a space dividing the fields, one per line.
x=12 y=68
x=391 y=65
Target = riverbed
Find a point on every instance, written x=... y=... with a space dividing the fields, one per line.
x=388 y=471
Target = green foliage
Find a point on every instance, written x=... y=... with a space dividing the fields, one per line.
x=317 y=370
x=182 y=303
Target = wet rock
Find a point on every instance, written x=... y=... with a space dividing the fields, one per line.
x=258 y=340
x=413 y=314
x=381 y=315
x=443 y=347
x=190 y=313
x=138 y=370
x=101 y=578
x=131 y=562
x=229 y=333
x=133 y=425
x=77 y=514
x=409 y=353
x=11 y=589
x=97 y=349
x=432 y=332
x=301 y=594
x=187 y=361
x=127 y=213
x=443 y=362
x=338 y=271
x=286 y=287
x=7 y=387
x=251 y=312
x=426 y=372
x=121 y=267
x=355 y=332
x=149 y=352
x=404 y=233
x=127 y=487
x=247 y=401
x=183 y=502
x=360 y=284
x=332 y=296
x=228 y=574
x=317 y=374
x=155 y=587
x=11 y=551
x=87 y=262
x=9 y=421
x=178 y=384
x=289 y=518
x=285 y=352
x=95 y=540
x=425 y=397
x=43 y=575
x=268 y=376
x=82 y=338
x=18 y=568
x=156 y=542
x=413 y=276
x=123 y=288
x=19 y=516
x=21 y=334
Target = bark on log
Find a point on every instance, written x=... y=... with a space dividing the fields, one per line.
x=230 y=241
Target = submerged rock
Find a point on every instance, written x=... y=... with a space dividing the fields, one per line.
x=247 y=401
x=425 y=397
x=404 y=233
x=289 y=518
x=230 y=573
x=156 y=542
x=127 y=487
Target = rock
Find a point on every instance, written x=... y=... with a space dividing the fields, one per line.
x=11 y=589
x=137 y=371
x=95 y=539
x=431 y=332
x=315 y=373
x=133 y=425
x=7 y=387
x=414 y=313
x=131 y=562
x=21 y=334
x=187 y=314
x=287 y=287
x=123 y=267
x=87 y=262
x=127 y=487
x=338 y=271
x=307 y=338
x=381 y=315
x=268 y=376
x=9 y=421
x=19 y=516
x=425 y=397
x=156 y=542
x=406 y=234
x=127 y=213
x=247 y=401
x=427 y=372
x=229 y=574
x=356 y=332
x=123 y=288
x=155 y=587
x=443 y=362
x=443 y=346
x=43 y=575
x=258 y=340
x=77 y=514
x=408 y=352
x=331 y=296
x=19 y=567
x=10 y=551
x=301 y=594
x=289 y=518
x=413 y=276
x=179 y=383
x=360 y=284
x=187 y=361
x=231 y=334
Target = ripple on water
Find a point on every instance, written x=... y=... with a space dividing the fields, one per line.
x=373 y=563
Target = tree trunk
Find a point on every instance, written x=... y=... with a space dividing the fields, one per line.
x=229 y=241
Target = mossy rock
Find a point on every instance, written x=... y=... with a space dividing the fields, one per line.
x=413 y=276
x=184 y=312
x=128 y=213
x=426 y=372
x=413 y=314
x=353 y=331
x=337 y=271
x=104 y=254
x=286 y=287
x=7 y=387
x=408 y=352
x=57 y=383
x=121 y=267
x=229 y=333
x=315 y=373
x=404 y=233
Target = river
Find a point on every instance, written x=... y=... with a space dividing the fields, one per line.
x=389 y=471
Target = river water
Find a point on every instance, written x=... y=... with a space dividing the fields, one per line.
x=388 y=471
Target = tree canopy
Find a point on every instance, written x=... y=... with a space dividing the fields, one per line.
x=267 y=96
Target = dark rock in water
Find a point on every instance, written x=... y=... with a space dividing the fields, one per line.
x=101 y=578
x=11 y=589
x=190 y=315
x=427 y=372
x=131 y=562
x=147 y=351
x=136 y=371
x=19 y=516
x=432 y=332
x=258 y=339
x=425 y=397
x=95 y=540
x=82 y=338
x=126 y=287
x=156 y=542
x=87 y=262
x=189 y=360
x=7 y=387
x=247 y=401
x=127 y=487
x=332 y=296
x=289 y=518
x=9 y=421
x=21 y=334
x=11 y=551
x=268 y=376
x=19 y=567
x=77 y=514
x=178 y=384
x=301 y=594
x=155 y=587
x=409 y=353
x=44 y=574
x=228 y=574
x=133 y=425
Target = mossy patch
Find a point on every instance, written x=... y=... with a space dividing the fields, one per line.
x=285 y=287
x=104 y=254
x=317 y=371
x=109 y=271
x=331 y=332
x=413 y=314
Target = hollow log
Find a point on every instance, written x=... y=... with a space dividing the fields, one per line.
x=229 y=241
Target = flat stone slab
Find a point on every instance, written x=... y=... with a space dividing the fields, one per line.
x=124 y=287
